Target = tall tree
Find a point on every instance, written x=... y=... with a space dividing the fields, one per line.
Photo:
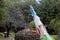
x=1 y=11
x=13 y=15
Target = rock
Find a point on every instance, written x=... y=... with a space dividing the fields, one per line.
x=26 y=36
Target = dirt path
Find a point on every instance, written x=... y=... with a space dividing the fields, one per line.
x=6 y=39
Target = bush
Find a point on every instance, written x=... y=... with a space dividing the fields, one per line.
x=32 y=25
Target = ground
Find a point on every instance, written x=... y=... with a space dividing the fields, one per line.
x=5 y=39
x=11 y=37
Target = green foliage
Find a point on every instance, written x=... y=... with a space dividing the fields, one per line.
x=54 y=37
x=52 y=23
x=32 y=25
x=55 y=24
x=1 y=11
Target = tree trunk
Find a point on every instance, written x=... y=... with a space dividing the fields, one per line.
x=8 y=32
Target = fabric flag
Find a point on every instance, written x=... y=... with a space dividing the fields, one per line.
x=43 y=32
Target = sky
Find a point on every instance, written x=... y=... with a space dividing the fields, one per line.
x=38 y=1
